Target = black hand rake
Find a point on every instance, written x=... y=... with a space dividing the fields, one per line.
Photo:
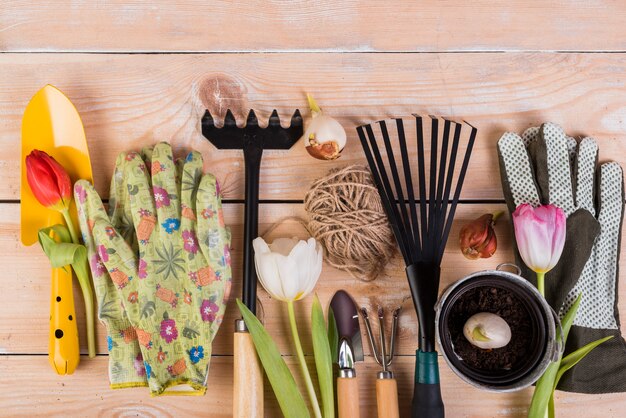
x=252 y=139
x=421 y=236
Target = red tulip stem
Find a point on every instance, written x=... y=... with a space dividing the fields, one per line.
x=81 y=269
x=70 y=226
x=540 y=283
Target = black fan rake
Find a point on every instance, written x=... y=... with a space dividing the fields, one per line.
x=421 y=225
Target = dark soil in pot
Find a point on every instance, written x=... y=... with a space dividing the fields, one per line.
x=505 y=304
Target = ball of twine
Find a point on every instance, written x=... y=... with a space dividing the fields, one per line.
x=347 y=217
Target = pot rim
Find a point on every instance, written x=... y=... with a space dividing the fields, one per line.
x=551 y=343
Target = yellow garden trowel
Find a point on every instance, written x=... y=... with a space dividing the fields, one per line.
x=52 y=124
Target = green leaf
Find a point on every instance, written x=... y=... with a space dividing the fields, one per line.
x=546 y=384
x=62 y=252
x=289 y=397
x=333 y=335
x=568 y=319
x=323 y=360
x=574 y=357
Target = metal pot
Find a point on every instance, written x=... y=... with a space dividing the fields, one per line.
x=544 y=345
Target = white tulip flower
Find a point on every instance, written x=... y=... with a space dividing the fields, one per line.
x=288 y=268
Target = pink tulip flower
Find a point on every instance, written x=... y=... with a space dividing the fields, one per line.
x=540 y=236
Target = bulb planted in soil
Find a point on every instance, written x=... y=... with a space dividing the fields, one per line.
x=487 y=331
x=505 y=305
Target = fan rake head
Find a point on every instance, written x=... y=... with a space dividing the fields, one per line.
x=421 y=223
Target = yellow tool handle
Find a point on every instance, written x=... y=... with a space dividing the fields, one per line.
x=387 y=398
x=63 y=347
x=348 y=397
x=247 y=379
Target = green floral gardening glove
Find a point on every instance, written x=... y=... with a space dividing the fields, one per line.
x=126 y=368
x=174 y=288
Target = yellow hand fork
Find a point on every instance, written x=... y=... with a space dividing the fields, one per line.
x=52 y=124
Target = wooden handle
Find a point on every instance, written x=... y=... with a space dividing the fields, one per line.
x=248 y=378
x=63 y=347
x=387 y=398
x=348 y=397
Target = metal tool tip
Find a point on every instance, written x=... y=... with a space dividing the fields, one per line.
x=229 y=119
x=296 y=119
x=364 y=312
x=381 y=312
x=207 y=119
x=252 y=119
x=274 y=120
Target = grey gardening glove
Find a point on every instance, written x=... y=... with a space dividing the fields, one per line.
x=545 y=166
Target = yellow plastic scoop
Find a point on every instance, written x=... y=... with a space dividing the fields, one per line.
x=52 y=124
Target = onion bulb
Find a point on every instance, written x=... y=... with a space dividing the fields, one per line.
x=324 y=137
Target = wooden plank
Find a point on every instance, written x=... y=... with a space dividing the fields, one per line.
x=130 y=101
x=192 y=25
x=28 y=388
x=24 y=313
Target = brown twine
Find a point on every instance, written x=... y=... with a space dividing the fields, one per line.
x=346 y=216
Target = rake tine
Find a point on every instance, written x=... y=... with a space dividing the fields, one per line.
x=422 y=180
x=450 y=175
x=252 y=120
x=439 y=220
x=387 y=185
x=457 y=192
x=394 y=331
x=396 y=179
x=274 y=121
x=408 y=178
x=434 y=133
x=207 y=120
x=381 y=331
x=229 y=120
x=296 y=119
x=382 y=192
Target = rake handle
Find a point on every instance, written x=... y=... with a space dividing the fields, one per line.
x=424 y=284
x=252 y=154
x=247 y=378
x=427 y=402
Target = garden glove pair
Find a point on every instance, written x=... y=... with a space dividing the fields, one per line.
x=162 y=284
x=545 y=166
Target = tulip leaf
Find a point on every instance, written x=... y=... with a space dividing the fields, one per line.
x=289 y=397
x=574 y=357
x=57 y=245
x=546 y=384
x=333 y=336
x=323 y=360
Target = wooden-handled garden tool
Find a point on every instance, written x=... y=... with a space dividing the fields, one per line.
x=252 y=139
x=348 y=350
x=52 y=124
x=386 y=385
x=422 y=242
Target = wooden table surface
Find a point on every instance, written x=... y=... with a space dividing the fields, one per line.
x=141 y=72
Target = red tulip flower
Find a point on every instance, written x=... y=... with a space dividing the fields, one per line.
x=48 y=181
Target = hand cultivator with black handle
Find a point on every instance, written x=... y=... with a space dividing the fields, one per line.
x=421 y=236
